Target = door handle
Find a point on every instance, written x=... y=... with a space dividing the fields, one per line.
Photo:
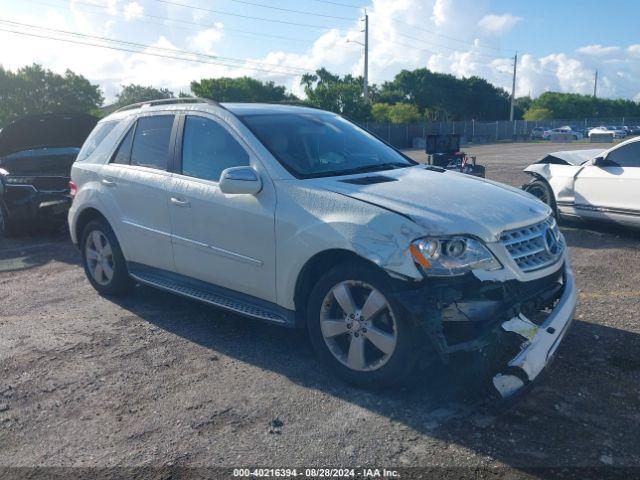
x=108 y=182
x=179 y=202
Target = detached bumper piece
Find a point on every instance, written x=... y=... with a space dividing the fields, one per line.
x=540 y=341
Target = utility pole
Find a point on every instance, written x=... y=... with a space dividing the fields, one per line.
x=513 y=86
x=365 y=87
x=595 y=85
x=365 y=83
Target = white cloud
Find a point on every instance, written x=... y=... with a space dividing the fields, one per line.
x=634 y=50
x=204 y=40
x=598 y=50
x=132 y=11
x=495 y=24
x=429 y=22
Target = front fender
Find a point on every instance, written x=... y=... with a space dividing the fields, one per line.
x=561 y=179
x=310 y=221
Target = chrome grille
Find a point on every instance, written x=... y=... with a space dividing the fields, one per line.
x=536 y=246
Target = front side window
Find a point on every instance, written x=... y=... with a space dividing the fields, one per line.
x=151 y=142
x=322 y=144
x=626 y=156
x=95 y=138
x=208 y=149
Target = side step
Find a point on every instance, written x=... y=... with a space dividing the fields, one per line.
x=211 y=295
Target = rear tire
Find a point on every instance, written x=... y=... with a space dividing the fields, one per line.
x=103 y=261
x=358 y=329
x=543 y=192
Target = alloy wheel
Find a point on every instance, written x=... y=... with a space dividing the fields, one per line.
x=99 y=257
x=358 y=325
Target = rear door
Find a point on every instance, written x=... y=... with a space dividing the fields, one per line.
x=227 y=240
x=136 y=182
x=611 y=190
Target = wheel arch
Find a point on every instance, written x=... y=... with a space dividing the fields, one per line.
x=315 y=267
x=84 y=217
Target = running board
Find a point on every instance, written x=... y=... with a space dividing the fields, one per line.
x=211 y=294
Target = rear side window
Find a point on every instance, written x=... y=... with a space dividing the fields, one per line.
x=151 y=142
x=208 y=149
x=95 y=139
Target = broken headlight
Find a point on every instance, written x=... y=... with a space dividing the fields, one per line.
x=447 y=256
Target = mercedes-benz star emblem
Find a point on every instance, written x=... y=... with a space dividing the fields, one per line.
x=551 y=242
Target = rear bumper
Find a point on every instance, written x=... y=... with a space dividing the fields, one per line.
x=24 y=204
x=540 y=341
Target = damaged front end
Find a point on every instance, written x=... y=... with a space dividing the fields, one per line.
x=520 y=323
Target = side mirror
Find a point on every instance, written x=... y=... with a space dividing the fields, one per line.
x=599 y=162
x=240 y=180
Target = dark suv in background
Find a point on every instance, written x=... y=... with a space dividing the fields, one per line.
x=36 y=155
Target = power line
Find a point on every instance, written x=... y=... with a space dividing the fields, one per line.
x=176 y=20
x=301 y=12
x=133 y=47
x=337 y=4
x=262 y=19
x=448 y=47
x=431 y=32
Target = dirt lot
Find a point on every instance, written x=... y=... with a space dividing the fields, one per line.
x=156 y=379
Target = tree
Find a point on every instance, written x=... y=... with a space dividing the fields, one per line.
x=538 y=113
x=398 y=113
x=242 y=89
x=380 y=112
x=32 y=90
x=446 y=97
x=337 y=94
x=137 y=93
x=573 y=105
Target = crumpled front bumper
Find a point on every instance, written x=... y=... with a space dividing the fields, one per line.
x=540 y=341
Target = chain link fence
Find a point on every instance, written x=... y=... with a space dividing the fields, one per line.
x=412 y=135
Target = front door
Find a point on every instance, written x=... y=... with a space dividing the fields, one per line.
x=226 y=240
x=611 y=190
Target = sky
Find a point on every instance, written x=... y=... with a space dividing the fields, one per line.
x=559 y=44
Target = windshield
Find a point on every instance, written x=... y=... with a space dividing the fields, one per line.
x=322 y=144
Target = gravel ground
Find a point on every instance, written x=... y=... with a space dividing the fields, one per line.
x=153 y=379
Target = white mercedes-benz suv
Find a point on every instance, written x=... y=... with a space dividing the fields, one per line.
x=298 y=217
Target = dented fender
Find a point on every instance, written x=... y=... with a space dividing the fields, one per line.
x=561 y=179
x=371 y=232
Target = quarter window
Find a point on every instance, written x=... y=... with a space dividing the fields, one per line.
x=626 y=156
x=151 y=142
x=123 y=155
x=95 y=139
x=208 y=149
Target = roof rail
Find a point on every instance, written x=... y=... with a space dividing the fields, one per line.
x=168 y=101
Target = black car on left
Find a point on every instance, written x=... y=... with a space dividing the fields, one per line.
x=36 y=155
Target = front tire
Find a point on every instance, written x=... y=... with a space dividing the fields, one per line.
x=543 y=192
x=7 y=227
x=103 y=261
x=358 y=329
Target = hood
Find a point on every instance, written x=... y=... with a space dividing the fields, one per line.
x=39 y=162
x=50 y=130
x=444 y=203
x=571 y=157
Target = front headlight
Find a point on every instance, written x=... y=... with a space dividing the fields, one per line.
x=20 y=180
x=447 y=256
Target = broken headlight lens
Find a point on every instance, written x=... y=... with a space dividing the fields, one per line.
x=447 y=256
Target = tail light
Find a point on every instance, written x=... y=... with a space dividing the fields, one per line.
x=73 y=189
